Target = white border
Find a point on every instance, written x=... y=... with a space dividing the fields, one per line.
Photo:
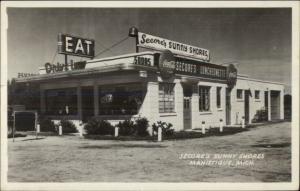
x=155 y=186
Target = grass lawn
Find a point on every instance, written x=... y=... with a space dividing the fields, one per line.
x=70 y=158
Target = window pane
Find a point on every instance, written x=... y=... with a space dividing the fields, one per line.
x=166 y=97
x=61 y=101
x=257 y=92
x=120 y=99
x=239 y=94
x=204 y=98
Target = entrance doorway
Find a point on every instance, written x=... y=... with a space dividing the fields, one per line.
x=187 y=112
x=187 y=106
x=247 y=106
x=275 y=105
x=228 y=106
x=267 y=103
x=87 y=102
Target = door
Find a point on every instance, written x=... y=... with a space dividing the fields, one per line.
x=228 y=106
x=275 y=105
x=247 y=106
x=267 y=103
x=187 y=112
x=87 y=97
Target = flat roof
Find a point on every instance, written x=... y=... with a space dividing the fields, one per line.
x=118 y=67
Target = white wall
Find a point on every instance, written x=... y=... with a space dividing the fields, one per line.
x=237 y=105
x=175 y=118
x=212 y=117
x=150 y=106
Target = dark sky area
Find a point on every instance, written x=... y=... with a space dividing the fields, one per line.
x=259 y=39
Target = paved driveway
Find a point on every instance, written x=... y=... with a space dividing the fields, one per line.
x=265 y=152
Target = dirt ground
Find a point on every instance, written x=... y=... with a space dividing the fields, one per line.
x=71 y=158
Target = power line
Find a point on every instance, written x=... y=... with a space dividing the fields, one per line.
x=54 y=56
x=117 y=43
x=105 y=48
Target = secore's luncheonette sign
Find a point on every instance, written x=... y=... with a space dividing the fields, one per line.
x=158 y=43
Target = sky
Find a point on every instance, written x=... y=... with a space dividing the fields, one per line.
x=259 y=39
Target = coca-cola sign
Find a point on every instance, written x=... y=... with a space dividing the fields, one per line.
x=231 y=74
x=166 y=64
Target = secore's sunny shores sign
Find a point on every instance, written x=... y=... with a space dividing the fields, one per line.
x=157 y=43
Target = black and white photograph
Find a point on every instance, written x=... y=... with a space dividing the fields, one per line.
x=149 y=95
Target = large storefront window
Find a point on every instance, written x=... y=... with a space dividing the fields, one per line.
x=166 y=97
x=204 y=98
x=120 y=99
x=61 y=101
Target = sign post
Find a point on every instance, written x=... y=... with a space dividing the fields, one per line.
x=221 y=125
x=66 y=59
x=133 y=32
x=203 y=127
x=159 y=134
x=14 y=126
x=36 y=126
x=243 y=122
x=116 y=131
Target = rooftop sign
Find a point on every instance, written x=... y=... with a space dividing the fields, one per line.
x=157 y=43
x=231 y=76
x=52 y=68
x=76 y=46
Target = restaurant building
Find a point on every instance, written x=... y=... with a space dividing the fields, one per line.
x=174 y=82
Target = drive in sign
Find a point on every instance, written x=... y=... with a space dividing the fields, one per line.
x=77 y=46
x=157 y=43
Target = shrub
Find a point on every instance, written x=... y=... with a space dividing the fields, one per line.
x=98 y=127
x=167 y=129
x=47 y=125
x=68 y=126
x=141 y=126
x=261 y=115
x=126 y=127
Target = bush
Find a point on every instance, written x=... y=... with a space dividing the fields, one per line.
x=126 y=128
x=141 y=126
x=68 y=126
x=98 y=127
x=166 y=128
x=47 y=125
x=260 y=116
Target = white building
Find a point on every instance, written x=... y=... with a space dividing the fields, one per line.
x=183 y=91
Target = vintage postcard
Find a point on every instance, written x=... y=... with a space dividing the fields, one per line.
x=153 y=95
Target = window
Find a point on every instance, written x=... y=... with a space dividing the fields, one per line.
x=219 y=97
x=61 y=101
x=204 y=98
x=120 y=99
x=239 y=94
x=166 y=97
x=257 y=94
